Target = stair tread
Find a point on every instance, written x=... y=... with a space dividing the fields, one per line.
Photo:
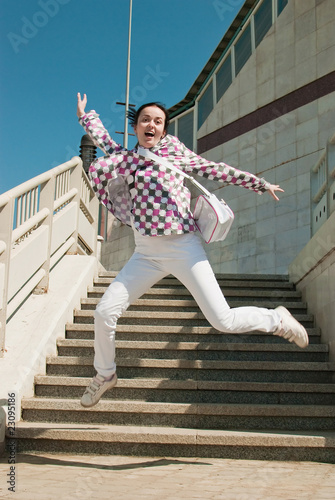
x=201 y=364
x=187 y=384
x=164 y=328
x=170 y=314
x=278 y=410
x=228 y=292
x=228 y=276
x=133 y=434
x=170 y=302
x=199 y=346
x=177 y=288
x=231 y=281
x=89 y=327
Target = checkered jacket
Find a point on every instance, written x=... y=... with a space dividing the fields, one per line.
x=135 y=187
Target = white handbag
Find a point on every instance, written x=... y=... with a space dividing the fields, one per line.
x=213 y=217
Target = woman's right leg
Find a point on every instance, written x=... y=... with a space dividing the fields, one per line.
x=136 y=277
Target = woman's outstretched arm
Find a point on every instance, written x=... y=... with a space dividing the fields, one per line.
x=94 y=128
x=226 y=173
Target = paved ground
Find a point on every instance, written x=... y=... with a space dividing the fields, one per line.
x=66 y=477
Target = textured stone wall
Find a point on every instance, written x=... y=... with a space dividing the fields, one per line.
x=298 y=50
x=292 y=65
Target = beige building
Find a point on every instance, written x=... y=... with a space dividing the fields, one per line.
x=264 y=102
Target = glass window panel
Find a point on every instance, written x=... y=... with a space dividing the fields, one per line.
x=172 y=128
x=281 y=5
x=243 y=49
x=223 y=78
x=205 y=105
x=263 y=21
x=185 y=130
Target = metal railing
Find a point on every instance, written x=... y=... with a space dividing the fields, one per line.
x=323 y=187
x=40 y=221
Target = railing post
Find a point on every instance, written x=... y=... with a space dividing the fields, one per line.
x=94 y=209
x=88 y=153
x=99 y=245
x=47 y=198
x=75 y=182
x=6 y=229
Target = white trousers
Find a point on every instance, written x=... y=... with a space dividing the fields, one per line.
x=184 y=257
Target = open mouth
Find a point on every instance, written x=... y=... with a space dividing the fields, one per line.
x=149 y=134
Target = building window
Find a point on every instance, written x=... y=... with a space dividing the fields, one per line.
x=185 y=130
x=263 y=21
x=223 y=78
x=243 y=49
x=281 y=5
x=172 y=128
x=205 y=104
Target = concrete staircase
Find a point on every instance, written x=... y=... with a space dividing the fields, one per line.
x=186 y=389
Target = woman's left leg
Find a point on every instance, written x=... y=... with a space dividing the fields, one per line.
x=196 y=274
x=194 y=271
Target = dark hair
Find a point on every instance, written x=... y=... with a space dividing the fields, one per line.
x=133 y=114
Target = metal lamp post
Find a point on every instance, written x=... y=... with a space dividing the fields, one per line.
x=126 y=105
x=125 y=138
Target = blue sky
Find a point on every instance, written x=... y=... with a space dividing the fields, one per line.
x=52 y=49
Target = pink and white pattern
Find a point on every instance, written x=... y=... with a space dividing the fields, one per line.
x=136 y=188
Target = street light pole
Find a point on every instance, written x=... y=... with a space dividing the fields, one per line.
x=125 y=137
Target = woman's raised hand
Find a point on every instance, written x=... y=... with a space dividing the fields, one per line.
x=272 y=189
x=81 y=104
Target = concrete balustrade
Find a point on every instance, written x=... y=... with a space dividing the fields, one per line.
x=41 y=220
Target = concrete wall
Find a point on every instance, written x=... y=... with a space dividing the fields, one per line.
x=298 y=49
x=313 y=271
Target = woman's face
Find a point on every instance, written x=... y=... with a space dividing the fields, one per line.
x=150 y=126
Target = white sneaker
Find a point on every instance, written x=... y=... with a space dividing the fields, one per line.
x=95 y=390
x=290 y=328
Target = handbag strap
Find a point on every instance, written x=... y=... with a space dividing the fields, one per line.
x=167 y=164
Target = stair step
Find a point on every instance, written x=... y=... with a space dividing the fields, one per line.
x=161 y=317
x=229 y=281
x=177 y=408
x=199 y=350
x=152 y=383
x=192 y=391
x=182 y=334
x=190 y=305
x=192 y=415
x=163 y=293
x=255 y=371
x=162 y=441
x=203 y=364
x=228 y=276
x=203 y=346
